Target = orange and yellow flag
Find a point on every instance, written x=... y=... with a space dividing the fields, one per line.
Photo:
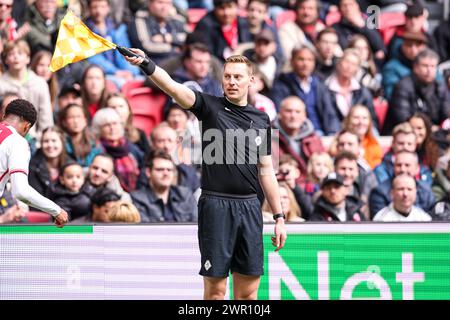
x=76 y=42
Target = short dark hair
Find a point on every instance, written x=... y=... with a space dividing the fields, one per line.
x=345 y=155
x=196 y=46
x=67 y=164
x=103 y=195
x=328 y=30
x=426 y=53
x=157 y=154
x=23 y=109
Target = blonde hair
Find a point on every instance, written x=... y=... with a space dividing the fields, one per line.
x=315 y=157
x=124 y=212
x=240 y=59
x=294 y=209
x=21 y=45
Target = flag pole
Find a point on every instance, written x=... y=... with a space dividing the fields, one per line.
x=128 y=53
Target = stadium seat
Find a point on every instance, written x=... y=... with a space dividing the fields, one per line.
x=285 y=16
x=388 y=24
x=381 y=108
x=111 y=86
x=37 y=217
x=194 y=16
x=130 y=85
x=146 y=104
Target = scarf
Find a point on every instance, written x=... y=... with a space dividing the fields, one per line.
x=126 y=166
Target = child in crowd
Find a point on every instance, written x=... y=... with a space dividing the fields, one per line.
x=319 y=165
x=71 y=192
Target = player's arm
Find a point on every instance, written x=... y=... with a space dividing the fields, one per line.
x=22 y=191
x=269 y=185
x=184 y=96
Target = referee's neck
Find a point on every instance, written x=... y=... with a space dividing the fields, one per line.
x=240 y=103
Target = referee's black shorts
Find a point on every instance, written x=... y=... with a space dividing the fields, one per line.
x=230 y=234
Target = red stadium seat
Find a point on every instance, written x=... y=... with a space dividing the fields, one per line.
x=285 y=16
x=130 y=85
x=111 y=86
x=37 y=217
x=381 y=108
x=146 y=104
x=388 y=24
x=194 y=16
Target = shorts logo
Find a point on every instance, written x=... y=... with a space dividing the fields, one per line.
x=207 y=265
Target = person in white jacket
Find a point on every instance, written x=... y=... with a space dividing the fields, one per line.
x=20 y=116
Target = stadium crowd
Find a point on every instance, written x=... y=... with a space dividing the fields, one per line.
x=359 y=98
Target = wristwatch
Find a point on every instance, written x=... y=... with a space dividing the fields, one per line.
x=279 y=215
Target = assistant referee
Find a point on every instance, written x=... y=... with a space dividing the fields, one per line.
x=229 y=218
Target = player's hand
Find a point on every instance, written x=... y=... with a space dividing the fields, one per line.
x=279 y=239
x=61 y=219
x=136 y=60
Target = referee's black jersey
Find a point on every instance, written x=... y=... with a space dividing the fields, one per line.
x=233 y=140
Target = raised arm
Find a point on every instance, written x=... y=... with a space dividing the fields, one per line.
x=184 y=96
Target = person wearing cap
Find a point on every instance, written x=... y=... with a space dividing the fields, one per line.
x=402 y=208
x=335 y=204
x=401 y=66
x=415 y=21
x=156 y=31
x=419 y=92
x=67 y=96
x=20 y=115
x=263 y=55
x=223 y=30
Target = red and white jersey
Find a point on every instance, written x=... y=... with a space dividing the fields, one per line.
x=14 y=154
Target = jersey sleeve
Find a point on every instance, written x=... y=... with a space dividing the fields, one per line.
x=199 y=109
x=19 y=156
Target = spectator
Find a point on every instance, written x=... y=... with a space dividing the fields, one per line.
x=81 y=145
x=13 y=214
x=117 y=69
x=160 y=200
x=360 y=122
x=405 y=162
x=257 y=95
x=68 y=96
x=197 y=67
x=353 y=22
x=402 y=207
x=93 y=89
x=120 y=103
x=319 y=166
x=102 y=202
x=416 y=21
x=156 y=31
x=40 y=65
x=314 y=95
x=45 y=163
x=263 y=55
x=101 y=175
x=223 y=29
x=295 y=134
x=328 y=50
x=124 y=212
x=346 y=165
x=128 y=158
x=346 y=91
x=44 y=18
x=334 y=204
x=367 y=75
x=440 y=211
x=401 y=66
x=71 y=192
x=9 y=30
x=427 y=148
x=29 y=86
x=303 y=30
x=403 y=139
x=289 y=206
x=6 y=98
x=419 y=92
x=442 y=36
x=188 y=133
x=164 y=138
x=441 y=186
x=288 y=172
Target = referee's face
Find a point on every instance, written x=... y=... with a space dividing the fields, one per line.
x=236 y=81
